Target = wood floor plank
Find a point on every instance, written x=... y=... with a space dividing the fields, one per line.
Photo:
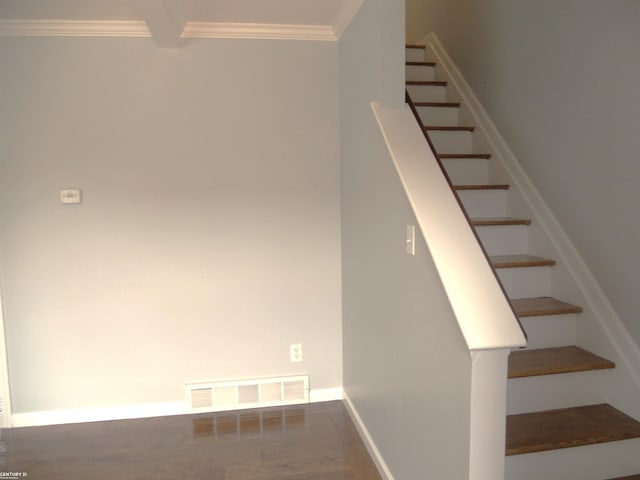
x=420 y=64
x=478 y=156
x=437 y=104
x=427 y=83
x=448 y=128
x=539 y=306
x=551 y=361
x=481 y=187
x=568 y=427
x=499 y=221
x=517 y=261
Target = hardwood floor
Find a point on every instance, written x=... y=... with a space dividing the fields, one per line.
x=311 y=442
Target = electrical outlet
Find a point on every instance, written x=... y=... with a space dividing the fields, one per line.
x=295 y=351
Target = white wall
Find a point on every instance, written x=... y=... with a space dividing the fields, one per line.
x=406 y=366
x=559 y=79
x=209 y=235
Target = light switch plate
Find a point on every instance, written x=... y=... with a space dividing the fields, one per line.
x=411 y=239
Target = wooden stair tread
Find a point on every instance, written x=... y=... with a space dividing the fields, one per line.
x=437 y=104
x=630 y=477
x=448 y=128
x=517 y=261
x=415 y=45
x=499 y=221
x=552 y=361
x=485 y=156
x=429 y=83
x=540 y=306
x=481 y=187
x=420 y=64
x=568 y=427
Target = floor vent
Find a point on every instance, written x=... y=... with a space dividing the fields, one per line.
x=238 y=394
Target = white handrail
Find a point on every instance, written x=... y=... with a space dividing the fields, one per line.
x=479 y=304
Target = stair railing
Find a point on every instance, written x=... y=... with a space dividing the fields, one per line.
x=484 y=315
x=412 y=106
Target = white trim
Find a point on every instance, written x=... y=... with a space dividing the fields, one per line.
x=258 y=31
x=5 y=387
x=139 y=29
x=488 y=414
x=165 y=21
x=122 y=412
x=345 y=16
x=74 y=28
x=325 y=395
x=594 y=297
x=481 y=308
x=381 y=465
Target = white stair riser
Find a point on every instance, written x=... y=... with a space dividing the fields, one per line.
x=452 y=142
x=503 y=240
x=420 y=72
x=591 y=462
x=414 y=54
x=550 y=330
x=427 y=93
x=546 y=392
x=528 y=282
x=467 y=171
x=484 y=203
x=439 y=116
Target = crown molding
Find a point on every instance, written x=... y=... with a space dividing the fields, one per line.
x=348 y=10
x=73 y=28
x=139 y=29
x=261 y=31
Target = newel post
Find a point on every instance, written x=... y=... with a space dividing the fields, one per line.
x=488 y=414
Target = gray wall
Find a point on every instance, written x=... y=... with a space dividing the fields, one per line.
x=209 y=235
x=406 y=366
x=560 y=80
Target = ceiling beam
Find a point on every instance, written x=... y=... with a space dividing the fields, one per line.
x=165 y=20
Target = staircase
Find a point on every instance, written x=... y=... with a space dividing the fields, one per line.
x=559 y=424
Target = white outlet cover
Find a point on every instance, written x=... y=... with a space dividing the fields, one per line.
x=295 y=351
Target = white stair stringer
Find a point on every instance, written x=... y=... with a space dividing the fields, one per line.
x=598 y=329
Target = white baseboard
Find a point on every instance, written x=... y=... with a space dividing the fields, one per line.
x=122 y=412
x=383 y=469
x=325 y=394
x=81 y=415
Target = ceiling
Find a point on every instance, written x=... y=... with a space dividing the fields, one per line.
x=24 y=16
